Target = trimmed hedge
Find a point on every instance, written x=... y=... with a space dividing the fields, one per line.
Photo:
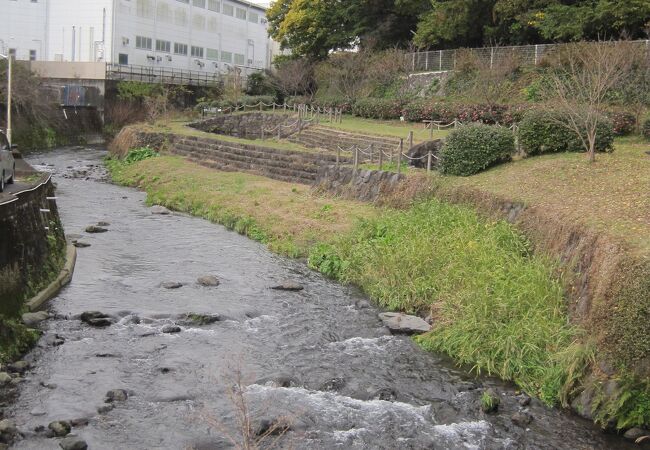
x=420 y=110
x=540 y=132
x=377 y=108
x=475 y=147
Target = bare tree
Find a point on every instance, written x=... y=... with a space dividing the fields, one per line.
x=581 y=77
x=293 y=77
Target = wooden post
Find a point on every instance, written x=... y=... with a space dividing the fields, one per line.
x=330 y=115
x=381 y=158
x=274 y=106
x=299 y=124
x=399 y=155
x=279 y=132
x=261 y=105
x=338 y=156
x=410 y=140
x=372 y=157
x=429 y=162
x=285 y=107
x=262 y=130
x=431 y=130
x=356 y=159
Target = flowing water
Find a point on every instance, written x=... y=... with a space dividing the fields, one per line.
x=320 y=359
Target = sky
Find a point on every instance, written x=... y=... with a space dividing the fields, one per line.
x=261 y=2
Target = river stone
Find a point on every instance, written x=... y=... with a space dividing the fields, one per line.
x=208 y=281
x=635 y=433
x=60 y=428
x=523 y=400
x=404 y=324
x=288 y=286
x=96 y=319
x=161 y=210
x=362 y=304
x=172 y=285
x=199 y=319
x=103 y=224
x=521 y=419
x=5 y=378
x=80 y=422
x=37 y=411
x=95 y=229
x=169 y=329
x=8 y=427
x=493 y=404
x=81 y=244
x=32 y=319
x=105 y=408
x=116 y=395
x=73 y=443
x=18 y=366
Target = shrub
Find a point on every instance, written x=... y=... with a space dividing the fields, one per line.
x=475 y=147
x=377 y=108
x=541 y=132
x=139 y=154
x=624 y=123
x=646 y=129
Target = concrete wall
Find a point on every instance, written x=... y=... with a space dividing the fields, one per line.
x=23 y=28
x=364 y=185
x=29 y=237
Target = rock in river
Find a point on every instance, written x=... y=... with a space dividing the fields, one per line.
x=60 y=428
x=116 y=395
x=171 y=329
x=18 y=366
x=95 y=229
x=404 y=324
x=73 y=443
x=34 y=318
x=5 y=378
x=208 y=281
x=161 y=210
x=96 y=319
x=521 y=419
x=172 y=285
x=288 y=286
x=81 y=244
x=635 y=433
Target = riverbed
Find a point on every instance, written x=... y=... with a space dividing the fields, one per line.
x=310 y=369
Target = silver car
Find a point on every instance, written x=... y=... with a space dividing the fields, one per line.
x=7 y=163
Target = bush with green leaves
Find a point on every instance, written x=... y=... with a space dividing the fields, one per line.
x=475 y=147
x=377 y=108
x=543 y=132
x=139 y=154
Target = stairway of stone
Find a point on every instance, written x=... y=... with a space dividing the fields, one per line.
x=283 y=165
x=318 y=136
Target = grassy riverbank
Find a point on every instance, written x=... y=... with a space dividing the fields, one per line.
x=495 y=305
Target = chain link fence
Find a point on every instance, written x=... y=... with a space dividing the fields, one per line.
x=447 y=60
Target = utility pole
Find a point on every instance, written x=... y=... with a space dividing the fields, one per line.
x=9 y=58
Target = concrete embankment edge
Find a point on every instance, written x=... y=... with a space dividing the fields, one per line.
x=64 y=277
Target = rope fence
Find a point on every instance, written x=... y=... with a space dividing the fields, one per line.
x=331 y=115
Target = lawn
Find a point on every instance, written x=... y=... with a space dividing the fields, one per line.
x=286 y=216
x=611 y=195
x=392 y=128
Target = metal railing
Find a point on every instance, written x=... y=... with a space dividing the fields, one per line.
x=167 y=75
x=446 y=60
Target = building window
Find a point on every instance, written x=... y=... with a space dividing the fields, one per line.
x=214 y=5
x=197 y=52
x=226 y=57
x=253 y=17
x=164 y=13
x=145 y=9
x=213 y=25
x=228 y=10
x=180 y=49
x=180 y=17
x=199 y=3
x=241 y=13
x=123 y=59
x=212 y=54
x=32 y=55
x=239 y=59
x=163 y=46
x=143 y=43
x=198 y=22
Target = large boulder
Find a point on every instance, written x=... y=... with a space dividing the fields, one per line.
x=420 y=152
x=399 y=323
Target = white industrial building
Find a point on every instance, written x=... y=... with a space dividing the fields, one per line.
x=206 y=36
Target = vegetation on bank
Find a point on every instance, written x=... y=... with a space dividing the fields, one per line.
x=495 y=305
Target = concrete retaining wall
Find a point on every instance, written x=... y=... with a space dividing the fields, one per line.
x=247 y=126
x=28 y=237
x=364 y=185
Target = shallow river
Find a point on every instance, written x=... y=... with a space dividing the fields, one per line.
x=318 y=359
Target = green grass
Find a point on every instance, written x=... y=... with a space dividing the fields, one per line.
x=391 y=128
x=285 y=216
x=610 y=195
x=495 y=306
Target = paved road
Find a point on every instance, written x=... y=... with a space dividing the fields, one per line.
x=11 y=188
